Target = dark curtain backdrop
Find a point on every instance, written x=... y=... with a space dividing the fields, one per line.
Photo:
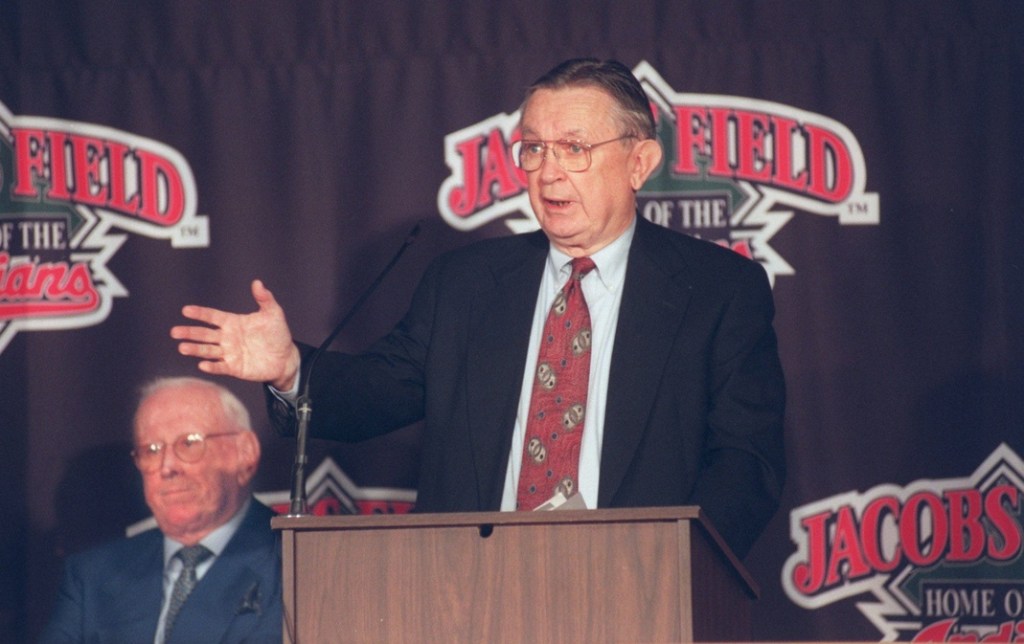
x=315 y=132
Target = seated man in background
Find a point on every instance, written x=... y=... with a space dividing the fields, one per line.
x=212 y=571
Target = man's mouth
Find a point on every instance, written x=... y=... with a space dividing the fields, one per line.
x=175 y=491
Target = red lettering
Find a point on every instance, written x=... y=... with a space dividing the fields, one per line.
x=827 y=153
x=762 y=148
x=966 y=534
x=31 y=290
x=1003 y=522
x=159 y=182
x=95 y=172
x=937 y=632
x=86 y=153
x=741 y=247
x=923 y=509
x=462 y=199
x=752 y=160
x=496 y=172
x=871 y=533
x=29 y=162
x=690 y=139
x=809 y=576
x=961 y=525
x=785 y=131
x=1002 y=634
x=720 y=166
x=383 y=507
x=58 y=167
x=326 y=506
x=948 y=630
x=847 y=557
x=118 y=190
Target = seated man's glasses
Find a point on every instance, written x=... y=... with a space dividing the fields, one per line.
x=189 y=448
x=572 y=156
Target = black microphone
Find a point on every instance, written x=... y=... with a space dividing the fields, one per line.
x=304 y=405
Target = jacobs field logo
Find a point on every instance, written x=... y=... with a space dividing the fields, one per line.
x=734 y=171
x=940 y=560
x=65 y=188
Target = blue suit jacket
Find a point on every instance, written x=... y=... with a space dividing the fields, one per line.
x=695 y=395
x=113 y=593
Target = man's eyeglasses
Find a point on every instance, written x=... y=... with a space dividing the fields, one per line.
x=572 y=156
x=189 y=448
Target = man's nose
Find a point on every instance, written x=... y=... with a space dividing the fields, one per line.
x=550 y=168
x=169 y=461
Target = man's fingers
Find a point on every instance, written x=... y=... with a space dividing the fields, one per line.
x=188 y=349
x=264 y=298
x=214 y=368
x=195 y=333
x=200 y=350
x=205 y=314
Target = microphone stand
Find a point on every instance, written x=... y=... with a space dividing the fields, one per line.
x=304 y=404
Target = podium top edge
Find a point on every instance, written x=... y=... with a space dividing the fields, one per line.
x=477 y=519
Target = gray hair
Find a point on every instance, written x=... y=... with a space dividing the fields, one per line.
x=233 y=408
x=632 y=107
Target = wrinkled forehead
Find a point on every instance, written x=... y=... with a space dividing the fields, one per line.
x=582 y=113
x=168 y=413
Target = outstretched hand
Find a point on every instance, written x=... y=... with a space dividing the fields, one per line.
x=253 y=346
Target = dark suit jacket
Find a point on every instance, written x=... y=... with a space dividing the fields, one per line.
x=695 y=397
x=113 y=593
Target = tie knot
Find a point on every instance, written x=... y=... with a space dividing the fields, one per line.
x=581 y=266
x=192 y=556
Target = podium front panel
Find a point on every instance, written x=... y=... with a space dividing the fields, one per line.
x=593 y=576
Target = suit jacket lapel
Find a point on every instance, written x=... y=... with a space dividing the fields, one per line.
x=130 y=598
x=653 y=302
x=216 y=602
x=499 y=336
x=236 y=584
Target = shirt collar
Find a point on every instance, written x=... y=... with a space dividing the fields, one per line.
x=216 y=541
x=609 y=262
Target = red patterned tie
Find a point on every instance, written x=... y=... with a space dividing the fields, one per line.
x=551 y=453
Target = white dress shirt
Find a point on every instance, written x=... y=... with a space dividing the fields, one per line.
x=602 y=289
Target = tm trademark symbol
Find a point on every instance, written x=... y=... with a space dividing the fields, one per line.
x=860 y=211
x=192 y=235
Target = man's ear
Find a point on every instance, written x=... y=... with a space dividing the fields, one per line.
x=646 y=159
x=248 y=456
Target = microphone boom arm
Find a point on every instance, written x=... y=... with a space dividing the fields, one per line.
x=304 y=404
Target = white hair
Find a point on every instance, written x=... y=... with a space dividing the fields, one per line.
x=233 y=408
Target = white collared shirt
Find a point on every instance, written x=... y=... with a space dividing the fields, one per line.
x=602 y=289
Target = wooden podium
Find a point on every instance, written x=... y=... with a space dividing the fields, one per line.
x=636 y=575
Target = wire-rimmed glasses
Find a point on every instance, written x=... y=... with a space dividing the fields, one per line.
x=189 y=447
x=572 y=156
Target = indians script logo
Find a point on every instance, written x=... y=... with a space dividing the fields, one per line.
x=65 y=187
x=940 y=558
x=734 y=169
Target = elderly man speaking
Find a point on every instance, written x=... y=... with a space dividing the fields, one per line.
x=602 y=357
